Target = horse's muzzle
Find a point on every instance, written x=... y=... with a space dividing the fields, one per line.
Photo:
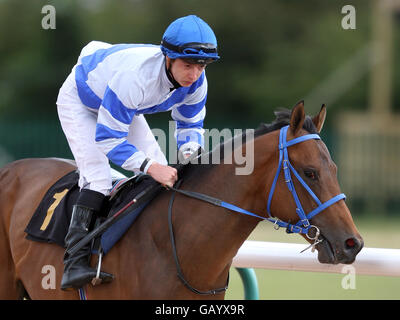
x=339 y=251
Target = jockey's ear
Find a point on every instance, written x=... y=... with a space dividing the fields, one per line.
x=319 y=119
x=297 y=117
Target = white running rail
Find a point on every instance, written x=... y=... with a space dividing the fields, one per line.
x=287 y=256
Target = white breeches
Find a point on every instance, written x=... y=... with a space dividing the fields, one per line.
x=79 y=125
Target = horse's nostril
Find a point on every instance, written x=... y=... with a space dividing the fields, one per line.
x=350 y=243
x=353 y=244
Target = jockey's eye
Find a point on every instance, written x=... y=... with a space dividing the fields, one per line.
x=311 y=174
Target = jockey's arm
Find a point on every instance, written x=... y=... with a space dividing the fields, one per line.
x=114 y=117
x=189 y=119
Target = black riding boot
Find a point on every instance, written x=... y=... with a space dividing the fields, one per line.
x=77 y=271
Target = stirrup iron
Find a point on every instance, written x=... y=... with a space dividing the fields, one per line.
x=96 y=281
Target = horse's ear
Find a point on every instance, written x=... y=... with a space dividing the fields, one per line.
x=297 y=117
x=319 y=119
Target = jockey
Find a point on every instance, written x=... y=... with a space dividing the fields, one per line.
x=101 y=106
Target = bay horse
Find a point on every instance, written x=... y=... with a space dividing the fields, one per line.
x=207 y=237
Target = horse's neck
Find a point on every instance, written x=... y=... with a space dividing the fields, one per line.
x=210 y=236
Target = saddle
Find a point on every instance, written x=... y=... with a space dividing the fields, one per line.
x=51 y=219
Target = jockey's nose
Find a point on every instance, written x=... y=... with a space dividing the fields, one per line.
x=194 y=74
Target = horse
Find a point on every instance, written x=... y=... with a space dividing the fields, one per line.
x=207 y=237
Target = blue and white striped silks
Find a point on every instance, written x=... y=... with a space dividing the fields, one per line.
x=124 y=80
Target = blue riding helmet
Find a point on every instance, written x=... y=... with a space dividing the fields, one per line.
x=192 y=38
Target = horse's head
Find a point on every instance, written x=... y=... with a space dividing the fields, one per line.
x=310 y=158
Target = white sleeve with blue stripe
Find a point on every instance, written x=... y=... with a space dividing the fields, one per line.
x=189 y=118
x=113 y=122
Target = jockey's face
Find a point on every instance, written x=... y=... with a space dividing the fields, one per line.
x=185 y=73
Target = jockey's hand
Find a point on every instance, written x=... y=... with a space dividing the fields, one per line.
x=163 y=174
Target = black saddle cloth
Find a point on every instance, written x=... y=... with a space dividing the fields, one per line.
x=51 y=220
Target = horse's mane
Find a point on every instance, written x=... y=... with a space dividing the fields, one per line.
x=282 y=118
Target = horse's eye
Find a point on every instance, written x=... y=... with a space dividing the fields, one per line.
x=311 y=174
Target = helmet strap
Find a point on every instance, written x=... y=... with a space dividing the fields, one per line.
x=170 y=76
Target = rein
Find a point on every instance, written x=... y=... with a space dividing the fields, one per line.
x=172 y=237
x=302 y=226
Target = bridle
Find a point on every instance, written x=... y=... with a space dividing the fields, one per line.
x=303 y=226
